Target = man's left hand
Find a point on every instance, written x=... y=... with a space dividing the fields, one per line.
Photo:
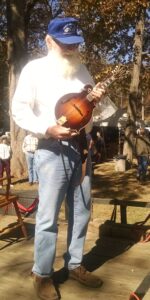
x=98 y=93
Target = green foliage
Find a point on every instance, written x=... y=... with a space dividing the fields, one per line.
x=36 y=21
x=108 y=26
x=3 y=20
x=109 y=31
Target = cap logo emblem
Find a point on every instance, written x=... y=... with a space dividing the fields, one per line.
x=69 y=28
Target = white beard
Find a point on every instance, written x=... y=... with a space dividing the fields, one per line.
x=67 y=66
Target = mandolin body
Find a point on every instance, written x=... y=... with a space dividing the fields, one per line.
x=74 y=110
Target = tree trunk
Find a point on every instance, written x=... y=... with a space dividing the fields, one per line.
x=134 y=87
x=17 y=57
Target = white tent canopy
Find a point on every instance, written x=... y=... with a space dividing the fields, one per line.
x=110 y=115
x=104 y=109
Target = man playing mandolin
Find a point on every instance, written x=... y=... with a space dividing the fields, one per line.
x=41 y=84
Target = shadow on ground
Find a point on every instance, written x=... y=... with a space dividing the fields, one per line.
x=104 y=250
x=15 y=236
x=107 y=183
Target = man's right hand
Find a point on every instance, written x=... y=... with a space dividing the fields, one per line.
x=61 y=132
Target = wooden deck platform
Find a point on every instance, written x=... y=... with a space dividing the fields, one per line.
x=122 y=263
x=124 y=266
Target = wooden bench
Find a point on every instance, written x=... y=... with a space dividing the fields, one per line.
x=138 y=231
x=7 y=199
x=123 y=205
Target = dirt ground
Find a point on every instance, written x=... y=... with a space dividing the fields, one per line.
x=109 y=183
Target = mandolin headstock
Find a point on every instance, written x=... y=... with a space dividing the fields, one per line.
x=119 y=72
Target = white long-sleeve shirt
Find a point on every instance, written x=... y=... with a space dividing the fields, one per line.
x=5 y=151
x=30 y=143
x=39 y=88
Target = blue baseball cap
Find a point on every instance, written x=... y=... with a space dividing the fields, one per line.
x=65 y=30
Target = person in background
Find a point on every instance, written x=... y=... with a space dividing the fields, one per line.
x=97 y=147
x=99 y=144
x=142 y=149
x=5 y=157
x=29 y=147
x=58 y=159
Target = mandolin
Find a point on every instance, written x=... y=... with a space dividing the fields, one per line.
x=74 y=110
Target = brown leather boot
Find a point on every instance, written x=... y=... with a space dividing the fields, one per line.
x=44 y=288
x=83 y=276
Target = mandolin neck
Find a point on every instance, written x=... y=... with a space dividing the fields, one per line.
x=103 y=84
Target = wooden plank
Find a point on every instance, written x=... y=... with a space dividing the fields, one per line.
x=136 y=203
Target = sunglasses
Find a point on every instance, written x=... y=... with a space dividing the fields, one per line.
x=66 y=46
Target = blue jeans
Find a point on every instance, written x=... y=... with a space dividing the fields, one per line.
x=59 y=172
x=32 y=173
x=142 y=165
